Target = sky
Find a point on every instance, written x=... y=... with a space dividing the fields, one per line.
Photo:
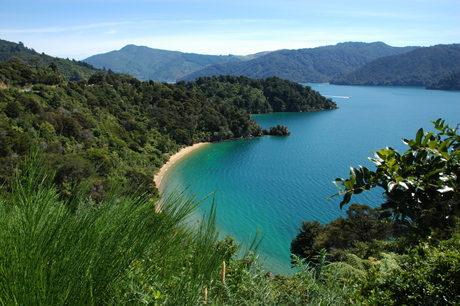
x=77 y=29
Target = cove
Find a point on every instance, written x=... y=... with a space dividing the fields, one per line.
x=270 y=184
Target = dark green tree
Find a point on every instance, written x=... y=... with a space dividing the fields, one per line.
x=362 y=225
x=302 y=244
x=421 y=185
x=279 y=130
x=54 y=67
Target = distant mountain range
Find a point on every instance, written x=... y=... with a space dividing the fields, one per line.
x=420 y=67
x=313 y=65
x=158 y=65
x=349 y=63
x=304 y=65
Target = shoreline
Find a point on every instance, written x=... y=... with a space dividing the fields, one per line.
x=158 y=177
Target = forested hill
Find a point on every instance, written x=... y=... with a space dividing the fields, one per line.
x=115 y=127
x=419 y=67
x=146 y=63
x=69 y=69
x=315 y=65
x=450 y=82
x=260 y=96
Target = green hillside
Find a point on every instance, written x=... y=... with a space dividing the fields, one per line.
x=419 y=67
x=154 y=64
x=450 y=82
x=261 y=96
x=69 y=69
x=115 y=126
x=313 y=65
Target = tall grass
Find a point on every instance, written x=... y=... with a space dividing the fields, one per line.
x=118 y=251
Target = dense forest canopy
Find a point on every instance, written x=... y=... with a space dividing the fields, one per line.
x=70 y=69
x=450 y=82
x=260 y=96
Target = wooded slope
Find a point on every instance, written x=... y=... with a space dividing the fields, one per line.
x=315 y=65
x=419 y=67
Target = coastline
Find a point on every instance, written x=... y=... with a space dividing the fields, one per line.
x=158 y=177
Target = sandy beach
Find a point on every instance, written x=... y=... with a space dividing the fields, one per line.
x=158 y=178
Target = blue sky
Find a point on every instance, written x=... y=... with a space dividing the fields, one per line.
x=81 y=28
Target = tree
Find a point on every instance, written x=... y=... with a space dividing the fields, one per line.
x=361 y=226
x=302 y=244
x=279 y=130
x=421 y=185
x=54 y=67
x=36 y=61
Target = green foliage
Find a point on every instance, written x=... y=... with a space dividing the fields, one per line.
x=313 y=284
x=262 y=95
x=450 y=82
x=19 y=74
x=426 y=276
x=420 y=67
x=118 y=252
x=247 y=283
x=70 y=70
x=422 y=184
x=303 y=244
x=279 y=130
x=360 y=229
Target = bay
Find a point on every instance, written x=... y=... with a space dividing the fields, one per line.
x=270 y=185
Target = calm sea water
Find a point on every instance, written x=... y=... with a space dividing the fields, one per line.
x=270 y=184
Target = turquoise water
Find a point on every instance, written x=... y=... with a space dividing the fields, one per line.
x=271 y=184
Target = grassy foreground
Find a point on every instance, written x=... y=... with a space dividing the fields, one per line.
x=76 y=252
x=118 y=251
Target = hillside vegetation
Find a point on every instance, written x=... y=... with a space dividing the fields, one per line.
x=313 y=65
x=147 y=64
x=450 y=82
x=261 y=96
x=420 y=67
x=69 y=69
x=116 y=127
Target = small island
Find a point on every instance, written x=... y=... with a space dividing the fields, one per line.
x=279 y=130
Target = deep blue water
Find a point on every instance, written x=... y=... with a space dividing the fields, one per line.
x=271 y=184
